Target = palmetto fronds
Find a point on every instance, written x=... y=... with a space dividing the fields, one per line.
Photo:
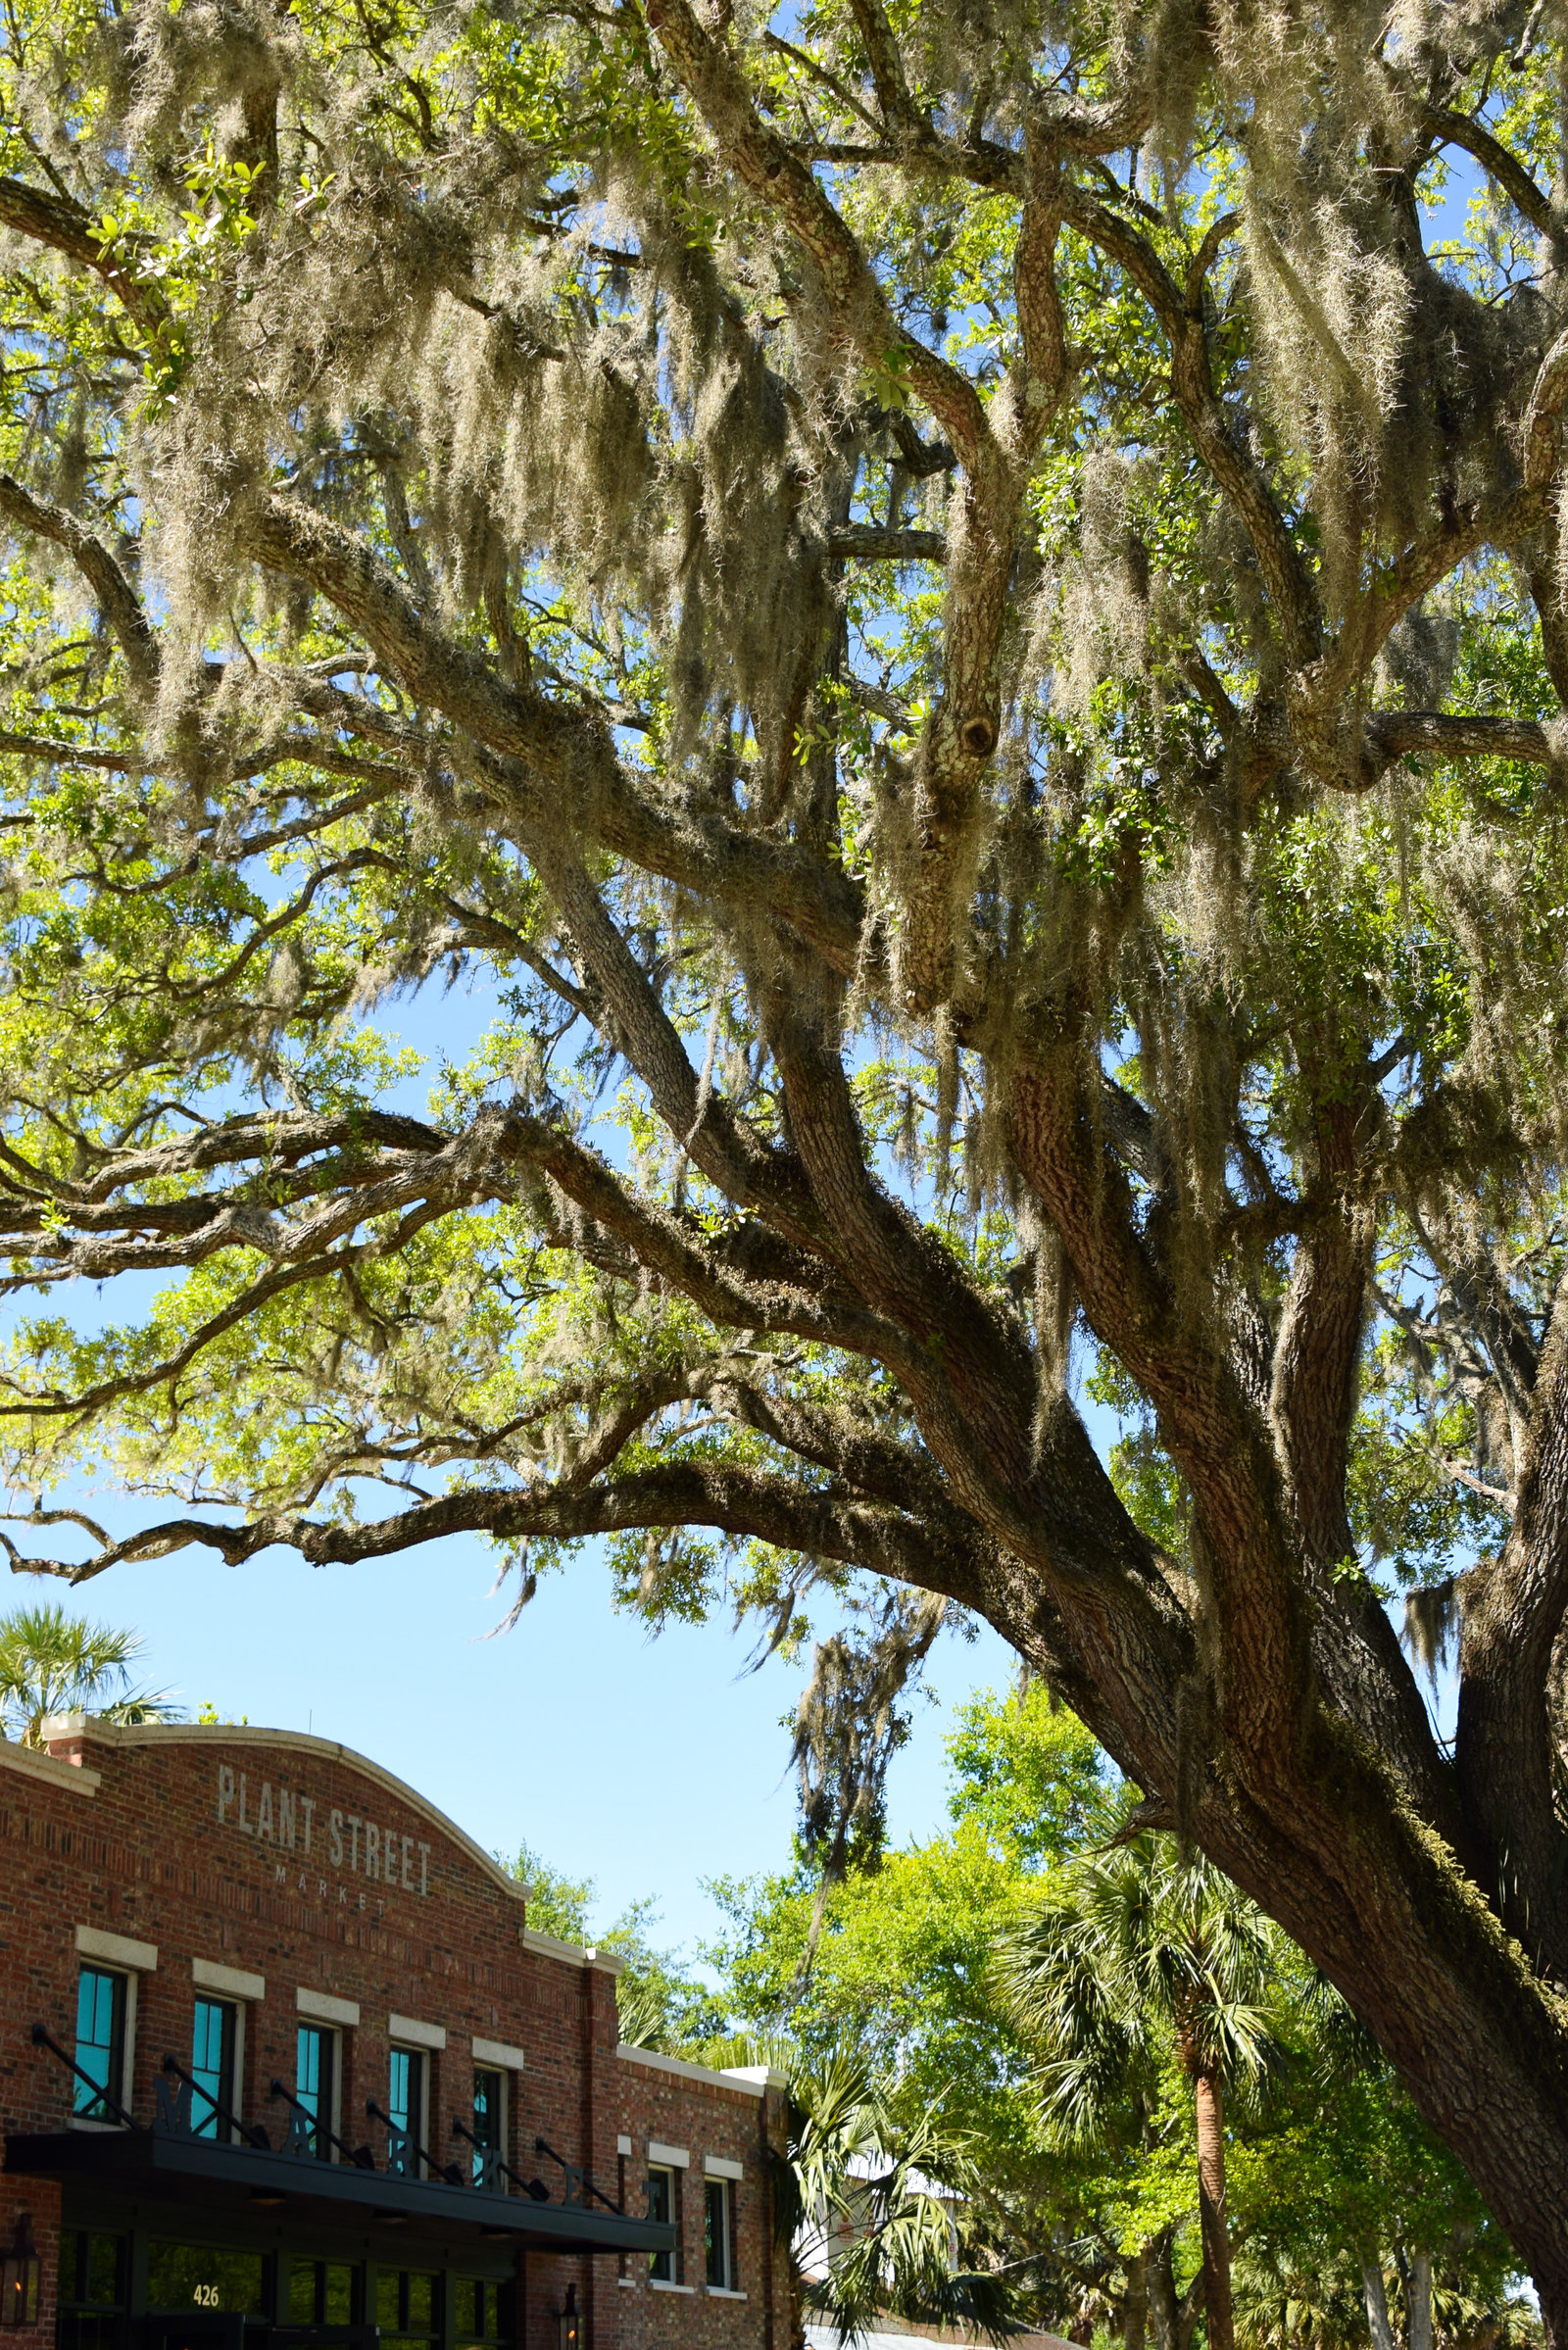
x=865 y=2194
x=55 y=1663
x=1137 y=1956
x=1133 y=1949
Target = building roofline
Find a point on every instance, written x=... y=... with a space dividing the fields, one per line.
x=98 y=1732
x=752 y=2081
x=549 y=1945
x=94 y=1731
x=76 y=1777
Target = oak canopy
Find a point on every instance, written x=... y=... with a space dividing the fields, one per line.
x=959 y=606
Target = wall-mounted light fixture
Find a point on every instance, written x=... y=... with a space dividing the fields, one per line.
x=20 y=2278
x=571 y=2323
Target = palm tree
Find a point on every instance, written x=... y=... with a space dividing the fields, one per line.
x=1320 y=2299
x=1134 y=1955
x=1285 y=2303
x=865 y=2196
x=52 y=1663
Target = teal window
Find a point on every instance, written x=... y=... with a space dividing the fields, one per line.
x=212 y=2065
x=100 y=2042
x=488 y=2120
x=405 y=2104
x=313 y=2083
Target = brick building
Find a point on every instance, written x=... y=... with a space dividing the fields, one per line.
x=283 y=2067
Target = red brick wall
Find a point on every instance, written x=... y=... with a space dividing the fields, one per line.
x=652 y=2103
x=147 y=1856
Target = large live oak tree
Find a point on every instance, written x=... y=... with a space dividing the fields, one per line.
x=963 y=601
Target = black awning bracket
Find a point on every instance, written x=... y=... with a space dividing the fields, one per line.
x=493 y=2165
x=251 y=2133
x=405 y=2155
x=173 y=2160
x=578 y=2184
x=172 y=2104
x=304 y=2127
x=44 y=2038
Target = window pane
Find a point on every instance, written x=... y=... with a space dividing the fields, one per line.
x=92 y=2267
x=212 y=2066
x=715 y=2218
x=405 y=2104
x=402 y=2096
x=487 y=2108
x=302 y=2293
x=100 y=2040
x=407 y=2305
x=475 y=2309
x=106 y=2269
x=660 y=2206
x=337 y=2293
x=486 y=2124
x=181 y=2277
x=92 y=2276
x=313 y=2081
x=321 y=2293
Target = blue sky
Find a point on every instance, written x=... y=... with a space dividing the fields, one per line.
x=646 y=1764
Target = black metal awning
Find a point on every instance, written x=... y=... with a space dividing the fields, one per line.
x=182 y=2167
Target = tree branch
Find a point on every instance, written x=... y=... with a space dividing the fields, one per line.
x=740 y=1503
x=871 y=544
x=55 y=222
x=767 y=167
x=1464 y=130
x=1236 y=472
x=556 y=771
x=116 y=598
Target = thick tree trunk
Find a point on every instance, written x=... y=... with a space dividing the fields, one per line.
x=1368 y=1890
x=1289 y=1748
x=1554 y=2316
x=1210 y=2105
